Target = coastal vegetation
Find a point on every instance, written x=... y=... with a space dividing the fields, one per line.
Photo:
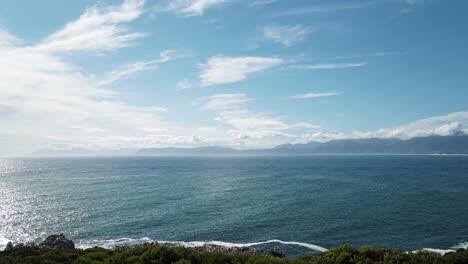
x=58 y=252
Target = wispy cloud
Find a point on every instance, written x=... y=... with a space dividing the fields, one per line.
x=99 y=29
x=220 y=69
x=129 y=70
x=324 y=8
x=329 y=66
x=257 y=3
x=226 y=101
x=287 y=35
x=186 y=84
x=248 y=127
x=370 y=55
x=192 y=7
x=313 y=95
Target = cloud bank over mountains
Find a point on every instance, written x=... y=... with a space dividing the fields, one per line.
x=453 y=124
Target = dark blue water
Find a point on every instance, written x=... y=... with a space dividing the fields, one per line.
x=410 y=202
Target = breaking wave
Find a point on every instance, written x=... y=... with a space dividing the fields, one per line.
x=111 y=243
x=130 y=241
x=230 y=245
x=463 y=245
x=3 y=242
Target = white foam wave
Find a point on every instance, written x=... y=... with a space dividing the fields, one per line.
x=114 y=242
x=3 y=242
x=436 y=250
x=229 y=245
x=463 y=245
x=111 y=243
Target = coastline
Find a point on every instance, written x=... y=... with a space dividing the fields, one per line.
x=59 y=249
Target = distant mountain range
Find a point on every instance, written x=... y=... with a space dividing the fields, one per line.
x=419 y=145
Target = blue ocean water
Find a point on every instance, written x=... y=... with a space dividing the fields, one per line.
x=410 y=202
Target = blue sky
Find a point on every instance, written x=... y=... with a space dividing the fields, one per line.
x=239 y=73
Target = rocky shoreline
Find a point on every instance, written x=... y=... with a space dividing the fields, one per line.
x=51 y=242
x=57 y=249
x=61 y=242
x=241 y=250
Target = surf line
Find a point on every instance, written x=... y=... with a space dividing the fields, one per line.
x=228 y=244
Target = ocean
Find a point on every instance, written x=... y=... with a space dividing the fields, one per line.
x=298 y=204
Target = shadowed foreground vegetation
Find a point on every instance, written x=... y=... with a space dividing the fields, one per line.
x=153 y=253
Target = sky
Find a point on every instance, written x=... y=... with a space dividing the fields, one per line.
x=236 y=73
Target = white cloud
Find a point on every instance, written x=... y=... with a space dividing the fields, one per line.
x=329 y=66
x=452 y=129
x=447 y=125
x=313 y=95
x=287 y=35
x=46 y=98
x=257 y=3
x=47 y=101
x=450 y=124
x=226 y=101
x=250 y=128
x=370 y=55
x=99 y=29
x=193 y=7
x=219 y=70
x=6 y=39
x=324 y=8
x=129 y=70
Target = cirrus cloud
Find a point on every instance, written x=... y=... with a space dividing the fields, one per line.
x=98 y=29
x=192 y=7
x=329 y=66
x=221 y=70
x=313 y=95
x=287 y=35
x=129 y=70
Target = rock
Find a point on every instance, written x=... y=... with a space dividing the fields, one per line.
x=128 y=246
x=19 y=246
x=57 y=241
x=9 y=247
x=241 y=250
x=275 y=253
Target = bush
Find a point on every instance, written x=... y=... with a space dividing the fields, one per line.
x=160 y=254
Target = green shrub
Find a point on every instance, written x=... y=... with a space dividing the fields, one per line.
x=160 y=254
